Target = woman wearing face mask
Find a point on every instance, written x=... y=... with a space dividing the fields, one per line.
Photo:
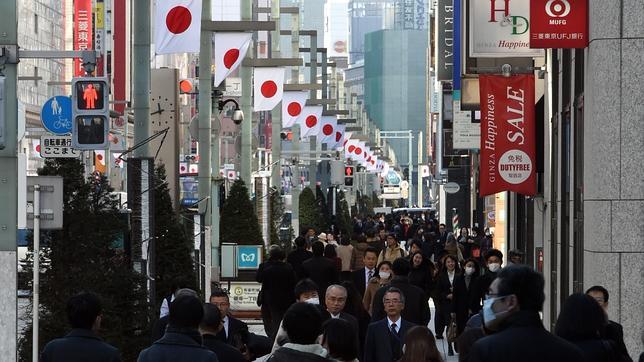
x=380 y=280
x=447 y=280
x=467 y=296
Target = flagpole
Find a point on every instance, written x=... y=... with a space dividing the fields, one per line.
x=205 y=172
x=276 y=120
x=246 y=74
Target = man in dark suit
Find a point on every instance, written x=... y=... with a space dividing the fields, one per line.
x=278 y=282
x=385 y=337
x=335 y=300
x=233 y=327
x=613 y=331
x=81 y=344
x=361 y=277
x=298 y=256
x=416 y=307
x=210 y=326
x=320 y=269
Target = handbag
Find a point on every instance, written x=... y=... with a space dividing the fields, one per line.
x=260 y=298
x=452 y=329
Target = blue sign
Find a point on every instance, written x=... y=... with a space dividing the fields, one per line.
x=56 y=115
x=249 y=257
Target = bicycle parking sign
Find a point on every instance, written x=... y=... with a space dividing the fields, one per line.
x=56 y=115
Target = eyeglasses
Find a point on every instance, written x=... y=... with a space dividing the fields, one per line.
x=391 y=301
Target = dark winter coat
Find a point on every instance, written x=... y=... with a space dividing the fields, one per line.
x=522 y=337
x=599 y=350
x=322 y=271
x=224 y=351
x=79 y=345
x=416 y=307
x=421 y=277
x=296 y=258
x=286 y=354
x=278 y=283
x=178 y=346
x=466 y=299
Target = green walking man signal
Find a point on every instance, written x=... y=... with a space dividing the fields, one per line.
x=90 y=113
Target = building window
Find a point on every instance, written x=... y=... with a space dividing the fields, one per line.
x=36 y=23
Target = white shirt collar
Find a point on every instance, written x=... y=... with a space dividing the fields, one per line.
x=397 y=323
x=336 y=316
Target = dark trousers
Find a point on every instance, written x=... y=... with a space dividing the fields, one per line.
x=271 y=317
x=440 y=322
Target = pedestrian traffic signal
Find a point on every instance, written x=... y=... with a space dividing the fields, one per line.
x=90 y=113
x=349 y=171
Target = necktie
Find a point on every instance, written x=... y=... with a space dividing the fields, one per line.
x=393 y=329
x=370 y=275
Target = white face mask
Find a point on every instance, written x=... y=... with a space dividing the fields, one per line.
x=314 y=300
x=494 y=267
x=469 y=270
x=384 y=275
x=489 y=316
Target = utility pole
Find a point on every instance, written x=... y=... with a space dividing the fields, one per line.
x=8 y=178
x=246 y=73
x=276 y=119
x=205 y=112
x=141 y=72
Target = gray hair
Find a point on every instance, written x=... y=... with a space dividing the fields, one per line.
x=338 y=286
x=394 y=290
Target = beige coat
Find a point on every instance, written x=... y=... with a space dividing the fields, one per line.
x=391 y=254
x=372 y=288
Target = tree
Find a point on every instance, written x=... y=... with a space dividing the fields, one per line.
x=324 y=216
x=344 y=218
x=174 y=248
x=86 y=256
x=277 y=216
x=309 y=212
x=238 y=219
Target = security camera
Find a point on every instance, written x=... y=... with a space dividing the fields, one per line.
x=238 y=116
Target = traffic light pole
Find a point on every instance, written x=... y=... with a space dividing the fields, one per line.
x=9 y=184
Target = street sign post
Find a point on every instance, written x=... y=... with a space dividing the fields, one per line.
x=57 y=147
x=56 y=115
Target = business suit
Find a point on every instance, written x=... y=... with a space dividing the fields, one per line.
x=235 y=327
x=416 y=307
x=359 y=279
x=322 y=271
x=378 y=344
x=278 y=283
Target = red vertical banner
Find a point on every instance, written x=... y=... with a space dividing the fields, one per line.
x=82 y=31
x=508 y=135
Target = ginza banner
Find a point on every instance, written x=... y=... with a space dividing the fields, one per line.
x=508 y=135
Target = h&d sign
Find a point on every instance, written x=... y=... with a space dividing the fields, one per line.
x=558 y=23
x=508 y=135
x=500 y=29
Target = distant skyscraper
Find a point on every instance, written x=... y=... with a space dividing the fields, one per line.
x=395 y=82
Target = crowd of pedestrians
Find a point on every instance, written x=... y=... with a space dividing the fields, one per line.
x=367 y=298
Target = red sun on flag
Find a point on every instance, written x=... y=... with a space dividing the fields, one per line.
x=99 y=157
x=358 y=150
x=327 y=129
x=178 y=19
x=352 y=148
x=294 y=109
x=338 y=136
x=269 y=88
x=311 y=121
x=38 y=148
x=231 y=57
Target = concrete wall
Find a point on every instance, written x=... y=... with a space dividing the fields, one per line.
x=613 y=160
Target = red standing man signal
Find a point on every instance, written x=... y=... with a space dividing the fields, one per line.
x=90 y=96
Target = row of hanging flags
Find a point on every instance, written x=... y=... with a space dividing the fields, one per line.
x=178 y=30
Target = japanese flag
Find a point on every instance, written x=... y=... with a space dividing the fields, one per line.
x=372 y=163
x=99 y=161
x=35 y=143
x=230 y=50
x=327 y=132
x=339 y=136
x=350 y=148
x=268 y=88
x=292 y=105
x=309 y=121
x=177 y=26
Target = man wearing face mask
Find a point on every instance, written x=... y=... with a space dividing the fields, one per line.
x=511 y=314
x=493 y=263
